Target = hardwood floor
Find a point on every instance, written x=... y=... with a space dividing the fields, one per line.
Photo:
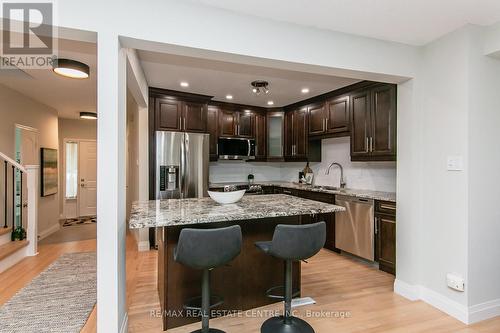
x=339 y=285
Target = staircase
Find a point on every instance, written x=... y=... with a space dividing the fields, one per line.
x=12 y=248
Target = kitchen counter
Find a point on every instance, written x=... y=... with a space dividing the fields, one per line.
x=178 y=212
x=367 y=194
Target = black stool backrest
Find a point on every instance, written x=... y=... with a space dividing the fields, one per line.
x=298 y=242
x=208 y=248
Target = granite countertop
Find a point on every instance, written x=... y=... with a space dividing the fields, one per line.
x=175 y=212
x=368 y=194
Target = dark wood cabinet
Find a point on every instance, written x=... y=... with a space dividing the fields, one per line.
x=227 y=125
x=317 y=119
x=260 y=136
x=296 y=137
x=194 y=117
x=385 y=233
x=337 y=115
x=373 y=124
x=213 y=130
x=246 y=124
x=168 y=114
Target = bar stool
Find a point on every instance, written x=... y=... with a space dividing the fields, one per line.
x=206 y=249
x=292 y=243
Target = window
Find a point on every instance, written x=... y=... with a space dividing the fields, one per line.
x=71 y=170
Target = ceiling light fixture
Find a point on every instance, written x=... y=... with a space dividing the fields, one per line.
x=260 y=86
x=88 y=115
x=229 y=96
x=184 y=84
x=71 y=68
x=270 y=103
x=305 y=90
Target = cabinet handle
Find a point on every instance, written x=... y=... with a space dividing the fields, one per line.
x=326 y=124
x=287 y=192
x=371 y=144
x=184 y=123
x=367 y=145
x=387 y=207
x=377 y=220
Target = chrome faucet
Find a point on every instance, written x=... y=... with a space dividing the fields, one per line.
x=342 y=182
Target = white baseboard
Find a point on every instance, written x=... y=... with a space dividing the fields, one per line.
x=467 y=315
x=124 y=326
x=483 y=311
x=49 y=231
x=143 y=246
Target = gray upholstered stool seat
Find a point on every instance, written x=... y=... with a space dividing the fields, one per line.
x=206 y=249
x=291 y=243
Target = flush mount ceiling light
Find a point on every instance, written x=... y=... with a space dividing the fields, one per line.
x=259 y=86
x=305 y=90
x=229 y=96
x=88 y=115
x=71 y=68
x=270 y=103
x=184 y=84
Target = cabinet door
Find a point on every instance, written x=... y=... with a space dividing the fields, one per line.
x=212 y=129
x=227 y=123
x=195 y=117
x=317 y=119
x=383 y=118
x=338 y=115
x=386 y=231
x=246 y=124
x=275 y=135
x=360 y=124
x=168 y=114
x=260 y=136
x=300 y=133
x=289 y=147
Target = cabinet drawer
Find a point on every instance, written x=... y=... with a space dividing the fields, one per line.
x=386 y=207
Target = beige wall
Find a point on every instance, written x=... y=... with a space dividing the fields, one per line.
x=16 y=108
x=82 y=129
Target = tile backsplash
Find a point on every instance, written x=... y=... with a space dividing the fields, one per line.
x=379 y=176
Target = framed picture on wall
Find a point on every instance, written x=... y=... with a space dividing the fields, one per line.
x=49 y=173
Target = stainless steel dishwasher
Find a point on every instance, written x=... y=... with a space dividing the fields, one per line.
x=354 y=228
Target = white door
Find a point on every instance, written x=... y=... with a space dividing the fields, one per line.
x=88 y=178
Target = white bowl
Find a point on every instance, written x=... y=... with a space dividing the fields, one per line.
x=227 y=197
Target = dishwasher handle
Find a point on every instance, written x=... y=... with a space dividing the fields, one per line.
x=347 y=198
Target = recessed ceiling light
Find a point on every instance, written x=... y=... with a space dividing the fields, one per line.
x=229 y=96
x=88 y=115
x=270 y=103
x=184 y=84
x=305 y=90
x=71 y=68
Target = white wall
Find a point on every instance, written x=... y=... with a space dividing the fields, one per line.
x=379 y=176
x=16 y=108
x=80 y=129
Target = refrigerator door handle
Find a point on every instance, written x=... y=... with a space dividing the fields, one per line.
x=183 y=167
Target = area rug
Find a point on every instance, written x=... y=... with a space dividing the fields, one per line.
x=60 y=299
x=79 y=221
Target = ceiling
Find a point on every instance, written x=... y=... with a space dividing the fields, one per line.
x=218 y=79
x=67 y=96
x=415 y=22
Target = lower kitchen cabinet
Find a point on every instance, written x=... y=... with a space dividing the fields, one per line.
x=385 y=233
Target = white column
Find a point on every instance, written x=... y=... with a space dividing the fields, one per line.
x=111 y=127
x=32 y=185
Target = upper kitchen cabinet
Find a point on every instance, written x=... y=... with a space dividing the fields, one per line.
x=337 y=115
x=178 y=111
x=373 y=124
x=297 y=144
x=275 y=135
x=260 y=136
x=213 y=130
x=237 y=123
x=317 y=119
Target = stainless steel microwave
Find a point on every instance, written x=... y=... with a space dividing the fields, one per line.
x=236 y=149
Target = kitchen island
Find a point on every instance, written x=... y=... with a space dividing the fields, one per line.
x=244 y=281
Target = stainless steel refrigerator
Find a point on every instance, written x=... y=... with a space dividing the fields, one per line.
x=181 y=165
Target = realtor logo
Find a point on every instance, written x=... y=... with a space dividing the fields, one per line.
x=28 y=40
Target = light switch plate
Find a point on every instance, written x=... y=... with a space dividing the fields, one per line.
x=455 y=163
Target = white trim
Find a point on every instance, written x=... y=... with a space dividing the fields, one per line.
x=483 y=311
x=46 y=233
x=124 y=326
x=26 y=128
x=443 y=303
x=406 y=290
x=143 y=246
x=11 y=161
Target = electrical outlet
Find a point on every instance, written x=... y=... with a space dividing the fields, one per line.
x=455 y=282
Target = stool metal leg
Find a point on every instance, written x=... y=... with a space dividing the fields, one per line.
x=286 y=323
x=205 y=305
